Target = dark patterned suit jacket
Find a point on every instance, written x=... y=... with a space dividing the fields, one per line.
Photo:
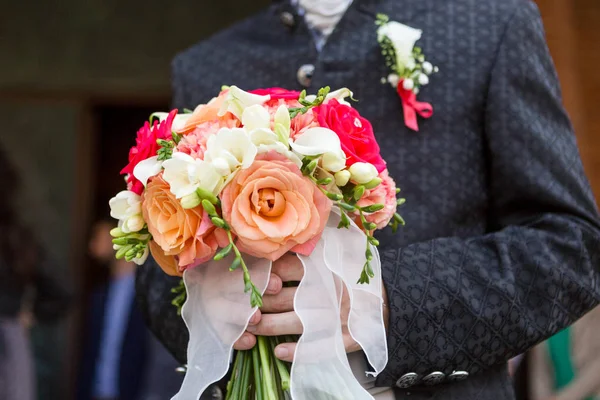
x=502 y=243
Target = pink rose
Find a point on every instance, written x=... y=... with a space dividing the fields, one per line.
x=384 y=193
x=355 y=133
x=277 y=93
x=273 y=208
x=194 y=143
x=146 y=147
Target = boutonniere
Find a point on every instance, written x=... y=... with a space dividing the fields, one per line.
x=409 y=69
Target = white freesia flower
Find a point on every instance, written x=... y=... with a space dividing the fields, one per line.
x=321 y=141
x=256 y=117
x=266 y=140
x=126 y=206
x=342 y=177
x=363 y=172
x=147 y=168
x=230 y=150
x=283 y=125
x=237 y=100
x=403 y=39
x=178 y=122
x=185 y=174
x=141 y=260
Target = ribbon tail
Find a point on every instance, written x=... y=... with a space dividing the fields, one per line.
x=216 y=314
x=410 y=116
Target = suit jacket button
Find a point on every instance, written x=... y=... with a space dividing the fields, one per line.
x=458 y=376
x=434 y=378
x=305 y=74
x=287 y=18
x=407 y=380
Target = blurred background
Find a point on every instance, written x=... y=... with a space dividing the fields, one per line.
x=77 y=78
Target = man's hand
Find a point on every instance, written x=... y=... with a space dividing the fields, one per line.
x=277 y=316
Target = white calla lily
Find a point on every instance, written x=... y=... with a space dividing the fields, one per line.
x=185 y=174
x=178 y=122
x=403 y=38
x=316 y=141
x=147 y=168
x=232 y=146
x=321 y=141
x=256 y=117
x=237 y=100
x=126 y=207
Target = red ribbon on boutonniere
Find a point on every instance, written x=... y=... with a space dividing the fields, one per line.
x=412 y=107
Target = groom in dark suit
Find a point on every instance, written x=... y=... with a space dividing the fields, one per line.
x=502 y=244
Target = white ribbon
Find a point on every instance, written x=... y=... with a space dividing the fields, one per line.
x=217 y=312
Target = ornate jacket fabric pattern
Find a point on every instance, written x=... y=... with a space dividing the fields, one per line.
x=502 y=243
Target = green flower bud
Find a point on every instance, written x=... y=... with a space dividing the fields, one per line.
x=205 y=194
x=218 y=222
x=373 y=183
x=208 y=207
x=334 y=196
x=192 y=200
x=121 y=252
x=223 y=252
x=347 y=207
x=117 y=232
x=373 y=208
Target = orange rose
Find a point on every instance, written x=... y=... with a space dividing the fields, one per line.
x=181 y=238
x=273 y=209
x=209 y=113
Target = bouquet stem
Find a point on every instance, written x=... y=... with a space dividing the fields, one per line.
x=259 y=375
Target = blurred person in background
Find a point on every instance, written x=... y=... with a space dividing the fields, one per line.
x=567 y=366
x=28 y=293
x=115 y=338
x=121 y=359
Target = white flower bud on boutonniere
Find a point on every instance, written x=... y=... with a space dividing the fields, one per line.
x=363 y=172
x=427 y=68
x=393 y=79
x=423 y=79
x=408 y=84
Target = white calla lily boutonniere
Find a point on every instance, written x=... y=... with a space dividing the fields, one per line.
x=409 y=69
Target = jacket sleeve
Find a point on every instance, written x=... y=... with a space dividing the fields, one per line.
x=470 y=304
x=153 y=286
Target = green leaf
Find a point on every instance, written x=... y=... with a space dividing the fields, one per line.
x=358 y=192
x=187 y=111
x=223 y=252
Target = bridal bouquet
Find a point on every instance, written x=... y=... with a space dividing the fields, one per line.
x=218 y=193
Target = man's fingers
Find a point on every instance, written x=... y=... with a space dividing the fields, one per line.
x=274 y=285
x=285 y=351
x=286 y=323
x=245 y=342
x=281 y=302
x=288 y=268
x=255 y=318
